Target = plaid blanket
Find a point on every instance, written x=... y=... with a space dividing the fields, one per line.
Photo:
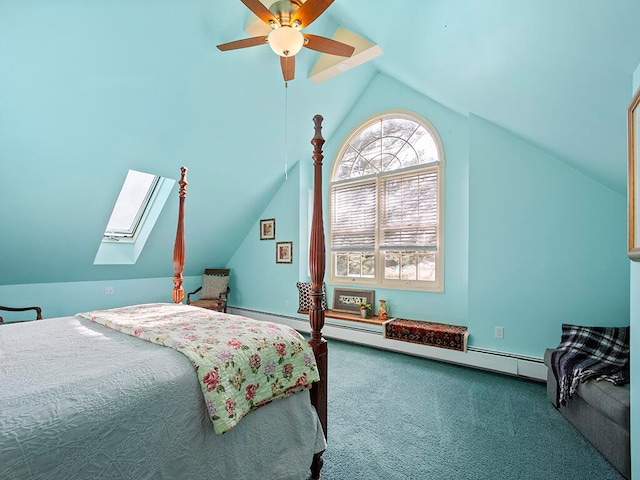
x=600 y=353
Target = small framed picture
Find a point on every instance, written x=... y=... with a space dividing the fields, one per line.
x=349 y=301
x=284 y=252
x=268 y=229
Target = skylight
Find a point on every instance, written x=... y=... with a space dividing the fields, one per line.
x=136 y=211
x=135 y=197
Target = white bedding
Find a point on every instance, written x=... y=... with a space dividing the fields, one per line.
x=82 y=401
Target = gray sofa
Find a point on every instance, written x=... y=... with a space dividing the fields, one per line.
x=600 y=411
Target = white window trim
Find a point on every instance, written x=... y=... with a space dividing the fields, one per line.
x=145 y=206
x=126 y=251
x=378 y=280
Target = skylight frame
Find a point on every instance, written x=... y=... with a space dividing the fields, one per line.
x=123 y=208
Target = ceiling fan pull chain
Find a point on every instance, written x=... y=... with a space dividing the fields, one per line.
x=286 y=127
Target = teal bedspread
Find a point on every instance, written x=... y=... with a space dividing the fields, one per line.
x=80 y=400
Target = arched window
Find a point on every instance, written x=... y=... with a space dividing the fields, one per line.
x=386 y=205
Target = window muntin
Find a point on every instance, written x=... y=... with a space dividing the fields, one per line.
x=388 y=143
x=386 y=207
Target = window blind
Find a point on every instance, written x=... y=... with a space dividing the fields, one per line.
x=409 y=212
x=353 y=217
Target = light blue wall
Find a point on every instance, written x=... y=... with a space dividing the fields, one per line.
x=257 y=281
x=385 y=94
x=91 y=89
x=547 y=245
x=530 y=243
x=274 y=289
x=635 y=343
x=81 y=105
x=69 y=298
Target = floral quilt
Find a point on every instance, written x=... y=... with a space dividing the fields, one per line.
x=242 y=364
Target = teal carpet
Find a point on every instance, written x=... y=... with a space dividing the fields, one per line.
x=394 y=416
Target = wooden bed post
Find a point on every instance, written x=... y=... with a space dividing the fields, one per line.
x=317 y=267
x=179 y=246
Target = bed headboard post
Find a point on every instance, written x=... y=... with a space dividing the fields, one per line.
x=179 y=245
x=317 y=267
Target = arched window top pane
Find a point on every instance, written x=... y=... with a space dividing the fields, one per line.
x=389 y=142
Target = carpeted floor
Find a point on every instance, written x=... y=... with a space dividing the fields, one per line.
x=394 y=416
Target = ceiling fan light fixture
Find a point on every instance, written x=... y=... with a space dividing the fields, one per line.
x=286 y=41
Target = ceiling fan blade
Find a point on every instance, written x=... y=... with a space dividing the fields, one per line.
x=260 y=11
x=309 y=11
x=327 y=45
x=288 y=65
x=244 y=43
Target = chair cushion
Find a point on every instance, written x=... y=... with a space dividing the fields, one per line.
x=213 y=286
x=209 y=304
x=304 y=297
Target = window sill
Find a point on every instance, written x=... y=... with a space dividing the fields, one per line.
x=351 y=317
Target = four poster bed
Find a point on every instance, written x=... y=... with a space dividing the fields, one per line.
x=81 y=397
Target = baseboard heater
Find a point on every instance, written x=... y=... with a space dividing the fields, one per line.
x=502 y=362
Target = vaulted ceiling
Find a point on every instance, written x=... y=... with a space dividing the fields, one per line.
x=89 y=89
x=557 y=74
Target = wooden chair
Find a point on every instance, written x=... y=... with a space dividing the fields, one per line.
x=22 y=309
x=214 y=290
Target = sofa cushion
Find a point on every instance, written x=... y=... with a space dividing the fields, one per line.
x=610 y=400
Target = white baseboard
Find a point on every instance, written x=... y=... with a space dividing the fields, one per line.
x=501 y=362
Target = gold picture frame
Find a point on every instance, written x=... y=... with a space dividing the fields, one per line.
x=634 y=179
x=284 y=252
x=268 y=229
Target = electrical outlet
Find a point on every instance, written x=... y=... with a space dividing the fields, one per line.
x=499 y=332
x=108 y=290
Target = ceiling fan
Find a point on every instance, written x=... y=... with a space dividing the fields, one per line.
x=287 y=18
